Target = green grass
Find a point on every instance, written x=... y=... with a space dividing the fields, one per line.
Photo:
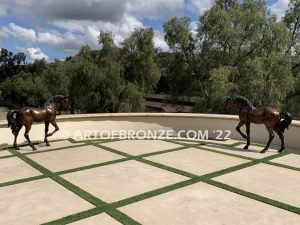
x=22 y=180
x=225 y=153
x=54 y=149
x=112 y=208
x=6 y=156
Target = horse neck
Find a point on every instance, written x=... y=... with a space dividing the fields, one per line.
x=239 y=105
x=52 y=105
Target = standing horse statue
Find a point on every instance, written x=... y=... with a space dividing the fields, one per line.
x=273 y=120
x=27 y=115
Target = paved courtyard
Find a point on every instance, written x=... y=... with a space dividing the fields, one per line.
x=152 y=182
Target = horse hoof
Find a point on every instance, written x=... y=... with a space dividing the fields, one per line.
x=263 y=151
x=17 y=148
x=280 y=150
x=47 y=144
x=34 y=148
x=246 y=147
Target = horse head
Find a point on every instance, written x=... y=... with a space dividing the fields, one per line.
x=228 y=103
x=65 y=102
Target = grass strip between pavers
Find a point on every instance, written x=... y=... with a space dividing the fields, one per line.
x=283 y=165
x=92 y=166
x=19 y=181
x=83 y=194
x=120 y=216
x=154 y=193
x=6 y=156
x=110 y=208
x=256 y=197
x=224 y=153
x=52 y=150
x=75 y=217
x=73 y=188
x=151 y=163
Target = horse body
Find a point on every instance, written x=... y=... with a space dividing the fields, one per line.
x=268 y=116
x=26 y=116
x=30 y=115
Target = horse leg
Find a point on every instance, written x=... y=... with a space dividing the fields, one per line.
x=281 y=136
x=248 y=135
x=56 y=128
x=26 y=135
x=46 y=133
x=271 y=137
x=16 y=147
x=239 y=130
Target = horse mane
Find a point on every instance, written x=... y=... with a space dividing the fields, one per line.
x=54 y=99
x=241 y=99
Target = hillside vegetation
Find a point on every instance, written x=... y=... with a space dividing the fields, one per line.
x=236 y=47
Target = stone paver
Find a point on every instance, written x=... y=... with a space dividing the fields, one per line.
x=122 y=180
x=15 y=169
x=227 y=142
x=188 y=142
x=197 y=161
x=290 y=160
x=240 y=151
x=73 y=157
x=269 y=181
x=102 y=219
x=42 y=146
x=4 y=153
x=138 y=147
x=191 y=141
x=256 y=148
x=37 y=202
x=203 y=204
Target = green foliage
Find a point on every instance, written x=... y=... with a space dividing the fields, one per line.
x=10 y=63
x=139 y=60
x=24 y=90
x=238 y=47
x=55 y=80
x=131 y=99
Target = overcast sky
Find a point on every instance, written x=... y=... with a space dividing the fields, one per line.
x=58 y=28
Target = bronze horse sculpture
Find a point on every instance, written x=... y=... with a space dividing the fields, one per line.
x=26 y=116
x=273 y=120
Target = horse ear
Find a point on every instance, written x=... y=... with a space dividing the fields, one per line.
x=228 y=97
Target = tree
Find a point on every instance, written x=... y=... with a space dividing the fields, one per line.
x=292 y=21
x=186 y=73
x=55 y=78
x=240 y=39
x=10 y=63
x=139 y=60
x=24 y=90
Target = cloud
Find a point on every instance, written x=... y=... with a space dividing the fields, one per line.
x=200 y=6
x=69 y=24
x=91 y=30
x=156 y=9
x=34 y=53
x=2 y=11
x=66 y=41
x=95 y=10
x=279 y=8
x=159 y=41
x=20 y=32
x=92 y=10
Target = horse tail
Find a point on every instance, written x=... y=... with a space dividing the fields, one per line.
x=12 y=122
x=284 y=124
